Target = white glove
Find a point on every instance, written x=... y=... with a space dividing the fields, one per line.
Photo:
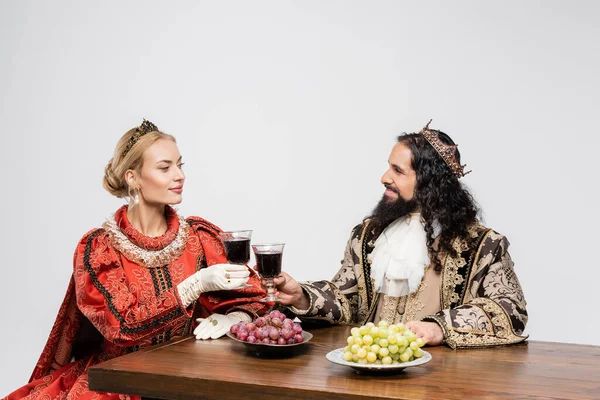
x=217 y=325
x=215 y=277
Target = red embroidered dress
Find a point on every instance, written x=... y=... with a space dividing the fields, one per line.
x=123 y=297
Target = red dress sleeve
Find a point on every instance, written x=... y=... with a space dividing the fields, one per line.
x=111 y=302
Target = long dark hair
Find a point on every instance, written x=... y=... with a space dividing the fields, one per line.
x=440 y=195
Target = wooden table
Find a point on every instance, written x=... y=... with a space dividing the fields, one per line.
x=223 y=369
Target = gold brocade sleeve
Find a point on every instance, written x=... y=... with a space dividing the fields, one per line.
x=335 y=301
x=493 y=312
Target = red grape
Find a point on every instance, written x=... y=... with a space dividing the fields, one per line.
x=272 y=328
x=297 y=328
x=287 y=333
x=274 y=333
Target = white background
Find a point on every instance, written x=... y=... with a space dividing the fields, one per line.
x=285 y=113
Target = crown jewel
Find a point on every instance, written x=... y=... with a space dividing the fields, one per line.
x=447 y=152
x=140 y=131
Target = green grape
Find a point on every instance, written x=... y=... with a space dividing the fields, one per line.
x=392 y=339
x=362 y=353
x=382 y=344
x=371 y=357
x=404 y=357
x=401 y=340
x=375 y=348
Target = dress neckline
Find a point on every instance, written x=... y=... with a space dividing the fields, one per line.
x=148 y=242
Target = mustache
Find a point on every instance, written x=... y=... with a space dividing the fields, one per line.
x=390 y=187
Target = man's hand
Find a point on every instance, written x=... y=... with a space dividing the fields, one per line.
x=290 y=292
x=431 y=332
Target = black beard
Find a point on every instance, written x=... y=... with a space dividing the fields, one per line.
x=388 y=210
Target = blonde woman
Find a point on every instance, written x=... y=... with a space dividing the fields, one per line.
x=142 y=278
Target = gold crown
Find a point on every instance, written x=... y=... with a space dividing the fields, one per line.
x=140 y=131
x=447 y=152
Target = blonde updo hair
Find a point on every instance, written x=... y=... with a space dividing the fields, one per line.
x=114 y=172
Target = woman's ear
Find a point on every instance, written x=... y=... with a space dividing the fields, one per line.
x=131 y=178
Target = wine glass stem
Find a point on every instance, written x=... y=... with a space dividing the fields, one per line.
x=270 y=287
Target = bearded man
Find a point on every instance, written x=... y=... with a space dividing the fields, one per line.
x=422 y=258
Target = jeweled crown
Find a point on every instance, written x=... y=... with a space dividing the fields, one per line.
x=140 y=131
x=447 y=152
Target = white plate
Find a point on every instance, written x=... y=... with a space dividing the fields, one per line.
x=337 y=356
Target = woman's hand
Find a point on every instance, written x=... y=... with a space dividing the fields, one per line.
x=215 y=277
x=214 y=326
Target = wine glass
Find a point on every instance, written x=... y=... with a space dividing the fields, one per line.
x=268 y=264
x=237 y=247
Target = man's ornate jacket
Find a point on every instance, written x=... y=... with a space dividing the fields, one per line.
x=476 y=298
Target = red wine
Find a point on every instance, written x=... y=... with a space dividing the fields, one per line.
x=268 y=264
x=237 y=250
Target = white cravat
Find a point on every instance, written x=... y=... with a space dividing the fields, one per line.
x=400 y=256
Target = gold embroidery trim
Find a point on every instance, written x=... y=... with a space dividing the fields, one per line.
x=143 y=257
x=501 y=325
x=451 y=278
x=413 y=304
x=364 y=312
x=390 y=309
